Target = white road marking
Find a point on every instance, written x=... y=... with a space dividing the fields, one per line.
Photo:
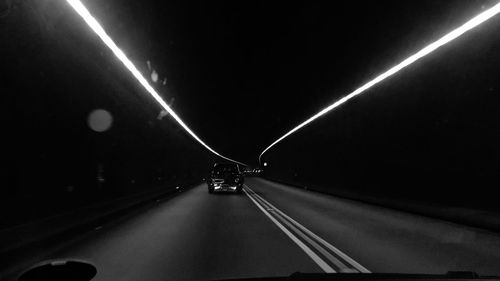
x=342 y=267
x=338 y=252
x=321 y=263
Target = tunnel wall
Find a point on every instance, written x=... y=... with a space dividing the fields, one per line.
x=428 y=135
x=56 y=72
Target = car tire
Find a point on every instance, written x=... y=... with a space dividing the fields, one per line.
x=210 y=190
x=239 y=190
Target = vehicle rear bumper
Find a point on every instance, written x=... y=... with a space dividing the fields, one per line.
x=225 y=187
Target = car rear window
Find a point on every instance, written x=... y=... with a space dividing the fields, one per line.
x=225 y=168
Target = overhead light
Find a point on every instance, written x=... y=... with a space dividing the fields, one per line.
x=484 y=16
x=99 y=30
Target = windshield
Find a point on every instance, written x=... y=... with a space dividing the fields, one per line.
x=357 y=137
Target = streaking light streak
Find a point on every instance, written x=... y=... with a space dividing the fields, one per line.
x=99 y=30
x=484 y=16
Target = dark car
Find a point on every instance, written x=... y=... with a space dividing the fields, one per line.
x=225 y=177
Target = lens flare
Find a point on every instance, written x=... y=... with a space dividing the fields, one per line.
x=100 y=120
x=484 y=16
x=99 y=30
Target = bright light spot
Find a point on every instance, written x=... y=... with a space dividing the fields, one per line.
x=162 y=114
x=100 y=120
x=154 y=76
x=265 y=164
x=423 y=52
x=97 y=28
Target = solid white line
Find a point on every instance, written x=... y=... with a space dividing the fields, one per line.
x=322 y=264
x=319 y=239
x=342 y=267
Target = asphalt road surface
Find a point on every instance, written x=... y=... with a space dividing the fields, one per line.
x=275 y=230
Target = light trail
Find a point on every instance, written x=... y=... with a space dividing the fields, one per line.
x=99 y=30
x=484 y=16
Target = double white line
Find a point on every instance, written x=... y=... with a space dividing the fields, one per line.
x=326 y=256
